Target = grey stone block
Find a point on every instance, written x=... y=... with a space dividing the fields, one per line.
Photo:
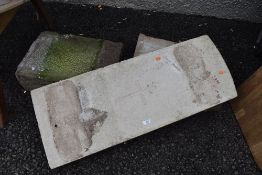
x=146 y=44
x=54 y=57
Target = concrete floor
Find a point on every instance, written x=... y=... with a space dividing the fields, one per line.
x=249 y=10
x=207 y=143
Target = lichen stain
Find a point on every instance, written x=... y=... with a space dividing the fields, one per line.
x=201 y=83
x=72 y=126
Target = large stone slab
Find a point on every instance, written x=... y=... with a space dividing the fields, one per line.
x=96 y=110
x=146 y=44
x=54 y=57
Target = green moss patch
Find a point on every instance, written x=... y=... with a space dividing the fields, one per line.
x=68 y=57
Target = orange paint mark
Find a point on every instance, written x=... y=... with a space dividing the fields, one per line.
x=158 y=58
x=221 y=72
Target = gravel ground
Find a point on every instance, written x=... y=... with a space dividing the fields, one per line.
x=209 y=142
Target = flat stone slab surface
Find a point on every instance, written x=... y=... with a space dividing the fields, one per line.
x=96 y=110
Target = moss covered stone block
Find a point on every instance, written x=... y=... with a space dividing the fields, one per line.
x=54 y=57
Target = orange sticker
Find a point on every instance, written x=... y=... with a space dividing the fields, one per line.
x=221 y=72
x=158 y=58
